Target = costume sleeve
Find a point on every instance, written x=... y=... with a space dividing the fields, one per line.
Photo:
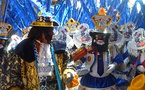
x=125 y=55
x=29 y=75
x=11 y=72
x=118 y=59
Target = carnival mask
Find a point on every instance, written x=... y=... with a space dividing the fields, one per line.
x=116 y=36
x=137 y=44
x=127 y=30
x=100 y=41
x=139 y=38
x=64 y=35
x=82 y=36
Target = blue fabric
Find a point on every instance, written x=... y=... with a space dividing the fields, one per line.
x=132 y=59
x=83 y=59
x=3 y=37
x=23 y=12
x=93 y=63
x=100 y=64
x=56 y=69
x=121 y=81
x=79 y=67
x=118 y=59
x=138 y=63
x=94 y=82
x=59 y=46
x=3 y=7
x=125 y=55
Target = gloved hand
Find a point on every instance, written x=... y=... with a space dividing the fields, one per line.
x=111 y=67
x=67 y=77
x=70 y=78
x=68 y=74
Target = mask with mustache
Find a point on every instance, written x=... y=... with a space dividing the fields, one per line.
x=100 y=41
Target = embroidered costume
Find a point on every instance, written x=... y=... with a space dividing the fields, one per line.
x=36 y=64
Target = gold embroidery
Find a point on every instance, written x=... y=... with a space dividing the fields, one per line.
x=29 y=75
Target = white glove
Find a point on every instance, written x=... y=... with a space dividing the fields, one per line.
x=111 y=67
x=141 y=68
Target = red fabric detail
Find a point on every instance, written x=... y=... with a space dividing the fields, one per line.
x=143 y=63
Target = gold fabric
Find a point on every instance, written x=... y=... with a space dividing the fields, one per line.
x=17 y=74
x=29 y=76
x=10 y=72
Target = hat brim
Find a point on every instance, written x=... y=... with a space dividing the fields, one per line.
x=44 y=24
x=3 y=37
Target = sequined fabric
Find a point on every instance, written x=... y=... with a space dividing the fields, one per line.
x=19 y=74
x=10 y=72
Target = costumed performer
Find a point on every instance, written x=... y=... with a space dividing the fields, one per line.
x=136 y=48
x=33 y=65
x=100 y=64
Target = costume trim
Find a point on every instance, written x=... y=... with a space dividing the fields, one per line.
x=25 y=50
x=56 y=69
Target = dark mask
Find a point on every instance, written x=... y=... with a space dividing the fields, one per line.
x=100 y=41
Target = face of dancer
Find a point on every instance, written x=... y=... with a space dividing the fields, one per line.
x=47 y=37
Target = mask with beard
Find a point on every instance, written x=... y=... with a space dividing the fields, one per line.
x=100 y=41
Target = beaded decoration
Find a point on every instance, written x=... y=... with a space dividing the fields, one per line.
x=44 y=67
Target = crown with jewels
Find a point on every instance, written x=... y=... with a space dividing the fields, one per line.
x=4 y=29
x=72 y=25
x=101 y=20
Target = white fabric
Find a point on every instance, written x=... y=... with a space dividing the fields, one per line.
x=45 y=64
